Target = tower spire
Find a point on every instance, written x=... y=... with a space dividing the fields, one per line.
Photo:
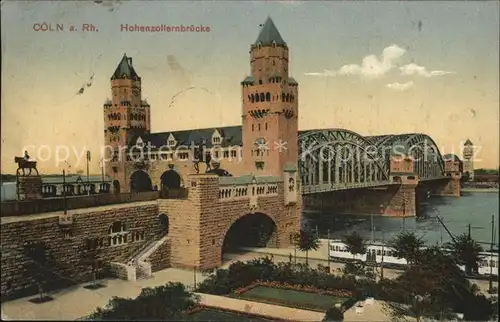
x=269 y=34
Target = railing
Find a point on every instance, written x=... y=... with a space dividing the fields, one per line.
x=178 y=193
x=25 y=207
x=140 y=250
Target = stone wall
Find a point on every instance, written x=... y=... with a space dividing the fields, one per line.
x=199 y=225
x=160 y=259
x=69 y=265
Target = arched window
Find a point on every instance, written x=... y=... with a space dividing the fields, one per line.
x=249 y=98
x=287 y=98
x=282 y=97
x=253 y=127
x=117 y=233
x=262 y=97
x=268 y=96
x=266 y=126
x=256 y=98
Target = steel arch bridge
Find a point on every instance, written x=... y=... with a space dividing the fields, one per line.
x=339 y=159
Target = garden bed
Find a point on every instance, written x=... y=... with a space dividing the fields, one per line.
x=295 y=296
x=209 y=313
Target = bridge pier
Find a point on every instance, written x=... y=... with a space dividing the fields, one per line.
x=390 y=200
x=447 y=187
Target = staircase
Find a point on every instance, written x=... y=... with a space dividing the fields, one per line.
x=140 y=260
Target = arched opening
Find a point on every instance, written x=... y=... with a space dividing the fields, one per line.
x=116 y=186
x=251 y=230
x=164 y=222
x=170 y=179
x=140 y=182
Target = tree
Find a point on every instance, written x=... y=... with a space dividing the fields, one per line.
x=407 y=245
x=39 y=259
x=167 y=302
x=90 y=252
x=435 y=287
x=306 y=241
x=334 y=314
x=355 y=244
x=465 y=251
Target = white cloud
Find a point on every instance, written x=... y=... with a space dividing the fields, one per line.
x=371 y=66
x=414 y=69
x=400 y=87
x=325 y=73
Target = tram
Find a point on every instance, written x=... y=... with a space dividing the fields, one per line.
x=379 y=253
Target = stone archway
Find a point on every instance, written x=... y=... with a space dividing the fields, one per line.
x=170 y=179
x=250 y=230
x=140 y=182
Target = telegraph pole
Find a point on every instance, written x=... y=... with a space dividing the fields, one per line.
x=328 y=251
x=490 y=288
x=382 y=259
x=64 y=193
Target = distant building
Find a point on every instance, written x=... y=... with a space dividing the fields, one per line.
x=468 y=156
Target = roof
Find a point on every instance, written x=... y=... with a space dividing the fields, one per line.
x=249 y=80
x=292 y=81
x=269 y=34
x=125 y=69
x=231 y=136
x=451 y=157
x=468 y=142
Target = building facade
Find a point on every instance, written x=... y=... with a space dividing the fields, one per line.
x=264 y=145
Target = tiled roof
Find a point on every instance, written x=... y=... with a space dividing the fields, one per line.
x=125 y=69
x=231 y=136
x=269 y=34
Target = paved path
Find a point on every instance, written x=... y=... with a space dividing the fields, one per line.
x=274 y=311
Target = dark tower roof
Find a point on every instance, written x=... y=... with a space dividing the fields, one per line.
x=468 y=142
x=125 y=69
x=269 y=33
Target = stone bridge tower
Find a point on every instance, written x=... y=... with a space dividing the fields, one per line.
x=126 y=116
x=468 y=156
x=270 y=107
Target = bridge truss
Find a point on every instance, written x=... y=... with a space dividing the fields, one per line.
x=339 y=159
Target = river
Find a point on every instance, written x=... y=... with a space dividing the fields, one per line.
x=474 y=208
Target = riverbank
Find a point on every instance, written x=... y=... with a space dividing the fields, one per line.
x=480 y=190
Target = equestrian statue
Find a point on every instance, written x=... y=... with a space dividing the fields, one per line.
x=201 y=154
x=25 y=163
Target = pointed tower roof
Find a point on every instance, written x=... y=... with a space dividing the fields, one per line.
x=468 y=142
x=269 y=34
x=125 y=69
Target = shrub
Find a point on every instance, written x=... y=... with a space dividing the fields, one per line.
x=334 y=314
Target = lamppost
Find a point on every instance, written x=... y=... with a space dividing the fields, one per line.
x=88 y=181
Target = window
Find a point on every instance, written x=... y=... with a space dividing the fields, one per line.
x=226 y=154
x=253 y=127
x=266 y=126
x=233 y=154
x=117 y=234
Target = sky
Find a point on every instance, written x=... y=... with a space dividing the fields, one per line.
x=370 y=67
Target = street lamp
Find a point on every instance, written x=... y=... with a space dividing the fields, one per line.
x=64 y=193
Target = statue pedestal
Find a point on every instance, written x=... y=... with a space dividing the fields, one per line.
x=29 y=187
